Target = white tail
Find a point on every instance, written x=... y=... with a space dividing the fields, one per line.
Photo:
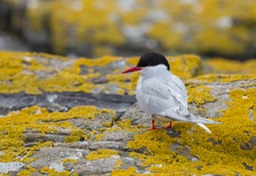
x=204 y=127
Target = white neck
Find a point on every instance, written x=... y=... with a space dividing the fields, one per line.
x=153 y=70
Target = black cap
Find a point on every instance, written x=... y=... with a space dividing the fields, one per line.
x=153 y=59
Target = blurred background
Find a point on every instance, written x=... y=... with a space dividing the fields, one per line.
x=93 y=28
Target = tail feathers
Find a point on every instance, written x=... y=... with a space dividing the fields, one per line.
x=204 y=127
x=200 y=120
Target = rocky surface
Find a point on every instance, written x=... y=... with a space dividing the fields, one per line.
x=219 y=27
x=64 y=101
x=64 y=136
x=50 y=81
x=11 y=43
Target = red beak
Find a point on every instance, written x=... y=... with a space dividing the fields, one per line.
x=132 y=69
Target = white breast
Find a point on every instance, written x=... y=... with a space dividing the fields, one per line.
x=159 y=91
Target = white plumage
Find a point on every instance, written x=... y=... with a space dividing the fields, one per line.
x=161 y=93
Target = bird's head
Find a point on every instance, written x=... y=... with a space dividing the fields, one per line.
x=149 y=60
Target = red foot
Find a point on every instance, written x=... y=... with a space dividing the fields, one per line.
x=153 y=126
x=169 y=126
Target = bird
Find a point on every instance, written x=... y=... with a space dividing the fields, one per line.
x=161 y=94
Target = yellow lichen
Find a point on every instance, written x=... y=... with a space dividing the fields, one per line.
x=27 y=171
x=200 y=95
x=156 y=143
x=217 y=153
x=19 y=72
x=75 y=135
x=120 y=92
x=15 y=124
x=118 y=163
x=70 y=160
x=129 y=171
x=221 y=78
x=221 y=65
x=202 y=26
x=99 y=137
x=107 y=124
x=103 y=61
x=53 y=172
x=184 y=66
x=101 y=153
x=133 y=60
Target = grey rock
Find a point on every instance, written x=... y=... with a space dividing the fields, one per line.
x=49 y=155
x=97 y=167
x=137 y=116
x=61 y=102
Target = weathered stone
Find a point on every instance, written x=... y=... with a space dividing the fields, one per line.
x=121 y=30
x=10 y=43
x=66 y=137
x=61 y=102
x=48 y=156
x=137 y=116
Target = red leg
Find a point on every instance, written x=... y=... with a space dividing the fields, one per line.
x=169 y=126
x=153 y=125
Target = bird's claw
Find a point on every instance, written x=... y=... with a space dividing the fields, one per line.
x=169 y=126
x=152 y=128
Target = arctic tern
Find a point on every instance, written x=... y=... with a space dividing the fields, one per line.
x=162 y=94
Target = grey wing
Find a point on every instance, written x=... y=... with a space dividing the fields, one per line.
x=166 y=93
x=179 y=89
